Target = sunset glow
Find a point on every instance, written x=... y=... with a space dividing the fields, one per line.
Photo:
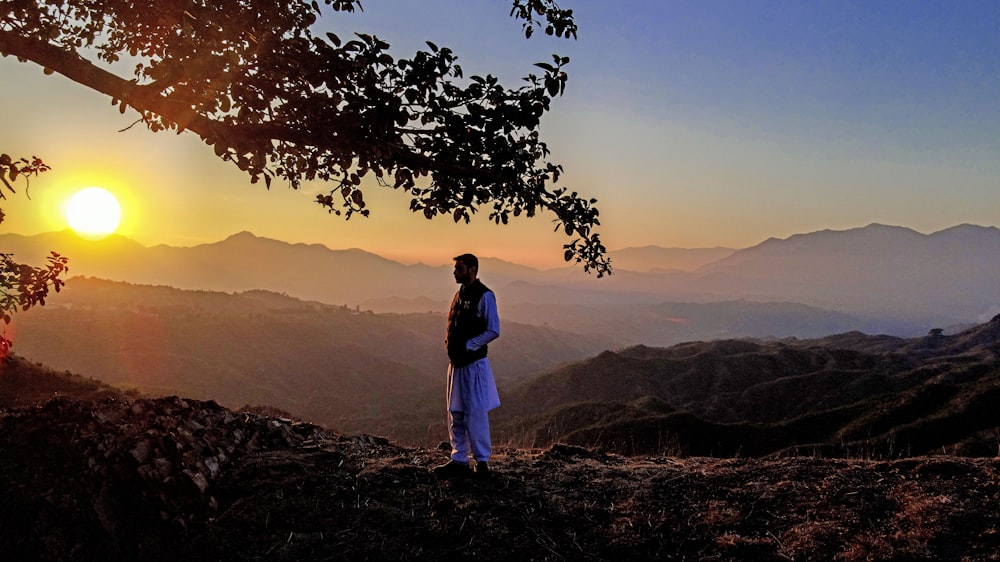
x=694 y=125
x=93 y=212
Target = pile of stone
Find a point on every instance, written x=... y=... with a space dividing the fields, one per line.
x=160 y=457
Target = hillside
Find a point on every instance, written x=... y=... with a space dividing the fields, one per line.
x=24 y=384
x=346 y=369
x=119 y=478
x=352 y=371
x=667 y=323
x=92 y=473
x=846 y=395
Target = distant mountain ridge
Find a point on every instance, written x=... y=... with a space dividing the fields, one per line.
x=889 y=279
x=877 y=268
x=658 y=258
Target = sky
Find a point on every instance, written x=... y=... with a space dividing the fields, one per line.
x=694 y=124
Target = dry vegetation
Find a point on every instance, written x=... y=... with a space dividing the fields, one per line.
x=121 y=478
x=849 y=396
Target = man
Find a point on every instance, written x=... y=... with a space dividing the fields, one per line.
x=472 y=392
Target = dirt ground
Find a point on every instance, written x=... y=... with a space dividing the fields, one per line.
x=118 y=478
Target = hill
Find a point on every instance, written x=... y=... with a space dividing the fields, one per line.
x=668 y=323
x=245 y=262
x=91 y=473
x=356 y=371
x=343 y=368
x=847 y=395
x=24 y=383
x=166 y=479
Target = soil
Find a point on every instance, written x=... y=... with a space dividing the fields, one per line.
x=117 y=477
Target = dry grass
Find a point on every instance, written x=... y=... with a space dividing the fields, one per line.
x=320 y=496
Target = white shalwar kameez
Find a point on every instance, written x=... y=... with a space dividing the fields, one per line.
x=472 y=393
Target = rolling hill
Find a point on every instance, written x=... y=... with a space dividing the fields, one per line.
x=846 y=395
x=347 y=369
x=116 y=478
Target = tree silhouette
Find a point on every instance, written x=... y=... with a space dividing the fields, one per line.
x=252 y=79
x=23 y=286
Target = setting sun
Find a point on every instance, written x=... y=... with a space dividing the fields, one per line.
x=93 y=212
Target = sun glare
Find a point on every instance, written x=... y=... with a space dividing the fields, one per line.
x=93 y=212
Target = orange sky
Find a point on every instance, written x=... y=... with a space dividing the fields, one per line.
x=695 y=124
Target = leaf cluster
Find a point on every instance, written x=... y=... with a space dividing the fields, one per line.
x=254 y=81
x=12 y=170
x=23 y=286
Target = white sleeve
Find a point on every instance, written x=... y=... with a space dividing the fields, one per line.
x=488 y=309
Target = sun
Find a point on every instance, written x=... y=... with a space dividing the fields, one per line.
x=93 y=213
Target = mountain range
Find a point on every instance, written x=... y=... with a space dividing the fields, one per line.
x=876 y=279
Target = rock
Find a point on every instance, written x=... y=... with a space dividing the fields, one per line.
x=198 y=479
x=212 y=464
x=142 y=451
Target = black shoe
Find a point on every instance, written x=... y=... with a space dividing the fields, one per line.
x=452 y=469
x=483 y=471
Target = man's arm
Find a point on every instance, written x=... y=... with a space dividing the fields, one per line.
x=487 y=309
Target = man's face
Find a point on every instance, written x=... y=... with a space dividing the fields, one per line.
x=464 y=274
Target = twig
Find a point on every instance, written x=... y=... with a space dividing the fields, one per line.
x=780 y=546
x=540 y=535
x=136 y=122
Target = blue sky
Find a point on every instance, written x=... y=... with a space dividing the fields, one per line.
x=694 y=124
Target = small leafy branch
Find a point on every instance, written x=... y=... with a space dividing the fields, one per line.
x=23 y=286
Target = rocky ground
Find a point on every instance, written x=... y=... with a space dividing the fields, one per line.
x=113 y=477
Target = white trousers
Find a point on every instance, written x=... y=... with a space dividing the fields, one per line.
x=469 y=430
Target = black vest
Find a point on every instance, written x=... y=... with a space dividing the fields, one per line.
x=464 y=324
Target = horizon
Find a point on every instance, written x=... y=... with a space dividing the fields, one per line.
x=444 y=261
x=762 y=123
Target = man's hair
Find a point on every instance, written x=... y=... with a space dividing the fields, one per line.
x=468 y=260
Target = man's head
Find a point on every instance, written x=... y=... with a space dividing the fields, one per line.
x=466 y=268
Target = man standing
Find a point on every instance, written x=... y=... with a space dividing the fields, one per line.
x=472 y=392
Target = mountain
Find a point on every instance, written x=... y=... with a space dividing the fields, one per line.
x=948 y=275
x=877 y=279
x=564 y=299
x=844 y=395
x=341 y=367
x=25 y=384
x=241 y=262
x=892 y=275
x=654 y=258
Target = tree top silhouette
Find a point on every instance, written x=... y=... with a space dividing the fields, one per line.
x=280 y=101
